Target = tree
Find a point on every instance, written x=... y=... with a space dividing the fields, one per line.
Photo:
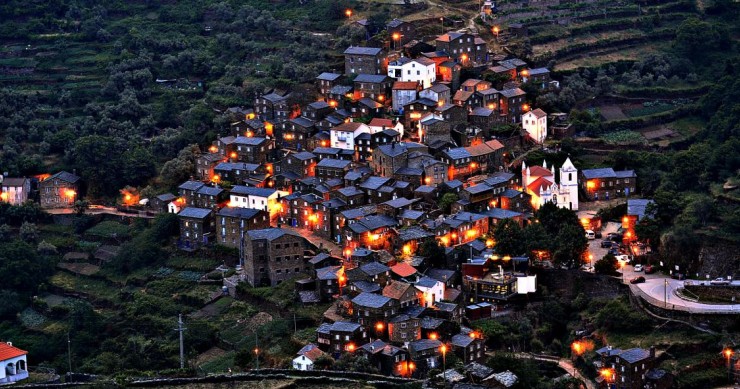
x=29 y=232
x=536 y=238
x=509 y=238
x=433 y=252
x=96 y=158
x=694 y=36
x=571 y=244
x=446 y=201
x=607 y=265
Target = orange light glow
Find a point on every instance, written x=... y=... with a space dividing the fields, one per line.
x=628 y=234
x=351 y=347
x=4 y=196
x=288 y=136
x=584 y=221
x=412 y=366
x=433 y=336
x=415 y=115
x=216 y=178
x=256 y=350
x=606 y=373
x=407 y=249
x=349 y=95
x=396 y=36
x=728 y=353
x=42 y=177
x=250 y=116
x=525 y=73
x=249 y=134
x=70 y=193
x=379 y=326
x=443 y=349
x=342 y=279
x=381 y=98
x=440 y=103
x=427 y=180
x=347 y=252
x=332 y=103
x=525 y=107
x=473 y=335
x=348 y=13
x=590 y=257
x=233 y=155
x=130 y=196
x=625 y=219
x=268 y=128
x=454 y=235
x=590 y=184
x=213 y=149
x=375 y=236
x=496 y=30
x=506 y=258
x=473 y=165
x=490 y=243
x=313 y=218
x=491 y=106
x=464 y=57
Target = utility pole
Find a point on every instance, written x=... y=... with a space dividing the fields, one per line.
x=69 y=354
x=181 y=329
x=295 y=324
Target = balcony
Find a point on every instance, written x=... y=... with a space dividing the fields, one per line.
x=18 y=376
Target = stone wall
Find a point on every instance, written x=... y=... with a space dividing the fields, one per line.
x=719 y=258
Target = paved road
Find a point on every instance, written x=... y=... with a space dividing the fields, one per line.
x=97 y=210
x=563 y=363
x=660 y=291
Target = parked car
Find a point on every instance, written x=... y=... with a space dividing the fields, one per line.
x=614 y=251
x=720 y=281
x=638 y=268
x=598 y=234
x=637 y=280
x=590 y=235
x=606 y=244
x=613 y=236
x=624 y=258
x=650 y=269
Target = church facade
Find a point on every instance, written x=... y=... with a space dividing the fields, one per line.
x=540 y=183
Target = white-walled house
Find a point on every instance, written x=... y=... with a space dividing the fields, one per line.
x=432 y=291
x=256 y=198
x=306 y=357
x=422 y=70
x=343 y=136
x=535 y=123
x=377 y=125
x=14 y=190
x=13 y=364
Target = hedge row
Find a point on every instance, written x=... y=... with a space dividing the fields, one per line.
x=603 y=44
x=651 y=120
x=659 y=91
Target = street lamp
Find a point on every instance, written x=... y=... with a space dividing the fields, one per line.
x=443 y=349
x=577 y=349
x=348 y=12
x=727 y=352
x=495 y=31
x=411 y=367
x=397 y=38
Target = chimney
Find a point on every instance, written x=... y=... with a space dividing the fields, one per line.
x=652 y=352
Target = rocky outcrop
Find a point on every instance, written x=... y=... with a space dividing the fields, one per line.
x=719 y=258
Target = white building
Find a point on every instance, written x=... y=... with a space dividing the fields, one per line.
x=256 y=198
x=439 y=93
x=432 y=290
x=378 y=125
x=535 y=123
x=306 y=357
x=343 y=136
x=540 y=183
x=13 y=364
x=14 y=190
x=422 y=70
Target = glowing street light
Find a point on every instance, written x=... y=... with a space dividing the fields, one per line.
x=348 y=12
x=351 y=347
x=443 y=349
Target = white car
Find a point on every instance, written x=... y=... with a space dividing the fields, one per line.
x=638 y=268
x=719 y=281
x=624 y=258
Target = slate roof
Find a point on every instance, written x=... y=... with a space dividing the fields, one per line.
x=230 y=166
x=458 y=153
x=242 y=213
x=431 y=323
x=366 y=286
x=423 y=101
x=411 y=214
x=505 y=378
x=425 y=189
x=374 y=347
x=442 y=275
x=426 y=282
x=252 y=191
x=274 y=97
x=599 y=173
x=65 y=176
x=625 y=173
x=333 y=163
x=374 y=182
x=345 y=326
x=605 y=351
x=445 y=307
x=637 y=207
x=319 y=258
x=270 y=233
x=249 y=140
x=190 y=185
x=461 y=340
x=209 y=190
x=395 y=23
x=350 y=191
x=399 y=202
x=370 y=300
x=328 y=273
x=513 y=92
x=304 y=155
x=326 y=150
x=413 y=233
x=328 y=76
x=309 y=296
x=166 y=197
x=634 y=355
x=475 y=189
x=498 y=178
x=357 y=50
x=371 y=78
x=537 y=71
x=509 y=193
x=500 y=213
x=340 y=90
x=195 y=213
x=374 y=268
x=424 y=344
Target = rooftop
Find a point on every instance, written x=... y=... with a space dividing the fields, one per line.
x=370 y=300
